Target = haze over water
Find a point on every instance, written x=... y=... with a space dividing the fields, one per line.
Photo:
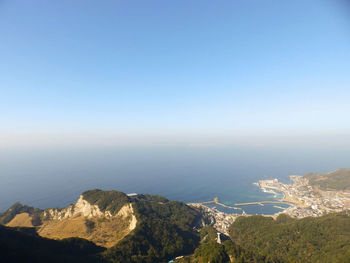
x=190 y=99
x=55 y=178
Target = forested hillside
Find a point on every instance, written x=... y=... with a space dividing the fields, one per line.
x=168 y=229
x=164 y=231
x=320 y=239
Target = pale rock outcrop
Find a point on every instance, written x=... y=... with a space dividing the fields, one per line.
x=125 y=211
x=81 y=207
x=84 y=208
x=71 y=222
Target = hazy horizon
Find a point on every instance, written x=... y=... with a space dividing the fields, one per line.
x=55 y=177
x=188 y=99
x=174 y=73
x=108 y=108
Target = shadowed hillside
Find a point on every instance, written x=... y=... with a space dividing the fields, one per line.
x=24 y=245
x=143 y=228
x=164 y=230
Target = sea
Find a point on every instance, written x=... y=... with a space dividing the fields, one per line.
x=47 y=177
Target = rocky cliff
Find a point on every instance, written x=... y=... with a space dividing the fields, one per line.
x=86 y=220
x=81 y=207
x=138 y=228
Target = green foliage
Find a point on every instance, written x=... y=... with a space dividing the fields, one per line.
x=150 y=198
x=18 y=208
x=208 y=233
x=337 y=180
x=283 y=218
x=112 y=201
x=212 y=252
x=322 y=239
x=164 y=231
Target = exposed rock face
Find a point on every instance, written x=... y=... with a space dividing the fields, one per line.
x=81 y=207
x=127 y=211
x=87 y=221
x=82 y=219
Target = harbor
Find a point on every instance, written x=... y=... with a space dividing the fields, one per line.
x=216 y=201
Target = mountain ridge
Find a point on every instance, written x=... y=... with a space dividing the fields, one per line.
x=154 y=226
x=165 y=230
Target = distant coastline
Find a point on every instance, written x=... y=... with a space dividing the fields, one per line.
x=301 y=198
x=308 y=198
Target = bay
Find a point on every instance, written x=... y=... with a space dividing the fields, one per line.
x=56 y=177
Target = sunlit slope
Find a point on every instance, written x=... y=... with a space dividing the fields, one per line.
x=338 y=180
x=105 y=219
x=142 y=228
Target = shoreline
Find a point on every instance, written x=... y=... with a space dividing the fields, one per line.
x=305 y=199
x=285 y=199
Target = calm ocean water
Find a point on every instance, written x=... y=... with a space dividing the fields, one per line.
x=55 y=177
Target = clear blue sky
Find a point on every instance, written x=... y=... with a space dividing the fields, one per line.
x=174 y=67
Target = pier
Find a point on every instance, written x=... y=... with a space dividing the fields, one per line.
x=216 y=201
x=263 y=202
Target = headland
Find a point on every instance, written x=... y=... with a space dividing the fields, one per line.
x=306 y=196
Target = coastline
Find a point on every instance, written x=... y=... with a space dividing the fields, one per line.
x=306 y=199
x=218 y=213
x=286 y=197
x=217 y=209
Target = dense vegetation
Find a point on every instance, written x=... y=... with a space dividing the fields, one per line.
x=164 y=231
x=211 y=251
x=208 y=250
x=321 y=239
x=164 y=228
x=18 y=208
x=259 y=239
x=106 y=200
x=337 y=180
x=167 y=229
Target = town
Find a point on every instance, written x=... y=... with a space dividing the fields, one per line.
x=220 y=220
x=304 y=200
x=307 y=200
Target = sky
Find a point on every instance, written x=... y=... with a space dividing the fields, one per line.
x=193 y=71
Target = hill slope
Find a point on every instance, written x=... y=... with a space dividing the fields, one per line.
x=103 y=217
x=24 y=245
x=166 y=229
x=338 y=180
x=320 y=239
x=33 y=215
x=143 y=228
